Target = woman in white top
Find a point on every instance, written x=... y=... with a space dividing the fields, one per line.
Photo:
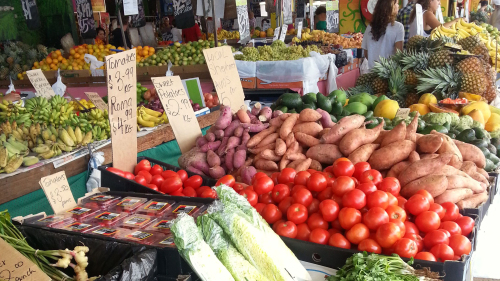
x=176 y=33
x=384 y=35
x=430 y=21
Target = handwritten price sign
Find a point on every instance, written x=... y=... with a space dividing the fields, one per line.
x=179 y=111
x=121 y=78
x=97 y=100
x=56 y=189
x=15 y=266
x=225 y=76
x=40 y=83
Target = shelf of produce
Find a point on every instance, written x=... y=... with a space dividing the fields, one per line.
x=24 y=183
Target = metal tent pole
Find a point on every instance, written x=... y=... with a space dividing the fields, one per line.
x=119 y=15
x=215 y=25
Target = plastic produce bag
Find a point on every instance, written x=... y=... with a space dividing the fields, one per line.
x=237 y=265
x=94 y=65
x=364 y=68
x=59 y=87
x=11 y=87
x=196 y=252
x=246 y=69
x=169 y=72
x=332 y=75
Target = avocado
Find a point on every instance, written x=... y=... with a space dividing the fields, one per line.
x=490 y=166
x=334 y=119
x=438 y=128
x=324 y=103
x=480 y=143
x=368 y=114
x=454 y=131
x=292 y=110
x=309 y=98
x=291 y=100
x=492 y=148
x=363 y=98
x=494 y=159
x=308 y=105
x=421 y=125
x=451 y=135
x=339 y=96
x=467 y=135
x=495 y=142
x=379 y=99
x=336 y=108
x=283 y=109
x=356 y=107
x=373 y=124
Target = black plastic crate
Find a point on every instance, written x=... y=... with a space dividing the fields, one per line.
x=116 y=183
x=495 y=186
x=482 y=209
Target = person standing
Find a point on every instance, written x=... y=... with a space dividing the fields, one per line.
x=100 y=38
x=117 y=35
x=430 y=21
x=384 y=35
x=191 y=34
x=320 y=18
x=404 y=18
x=166 y=34
x=495 y=15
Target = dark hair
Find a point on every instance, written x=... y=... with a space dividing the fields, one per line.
x=99 y=29
x=382 y=17
x=484 y=3
x=425 y=6
x=320 y=10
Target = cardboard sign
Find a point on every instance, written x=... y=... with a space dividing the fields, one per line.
x=284 y=29
x=97 y=100
x=56 y=189
x=40 y=83
x=178 y=109
x=130 y=7
x=121 y=78
x=276 y=33
x=85 y=19
x=30 y=12
x=403 y=113
x=15 y=266
x=220 y=62
x=332 y=16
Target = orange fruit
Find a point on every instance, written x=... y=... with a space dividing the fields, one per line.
x=81 y=51
x=72 y=51
x=55 y=61
x=53 y=55
x=49 y=60
x=145 y=52
x=58 y=52
x=77 y=56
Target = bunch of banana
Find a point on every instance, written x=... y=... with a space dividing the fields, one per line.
x=94 y=119
x=86 y=103
x=149 y=118
x=12 y=153
x=9 y=164
x=99 y=133
x=56 y=141
x=14 y=112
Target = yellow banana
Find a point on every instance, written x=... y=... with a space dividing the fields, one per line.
x=144 y=123
x=472 y=31
x=151 y=112
x=463 y=33
x=447 y=30
x=464 y=23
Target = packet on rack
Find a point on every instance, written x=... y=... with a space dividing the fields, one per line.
x=161 y=225
x=167 y=241
x=156 y=207
x=101 y=201
x=128 y=205
x=193 y=209
x=77 y=227
x=107 y=218
x=143 y=237
x=82 y=213
x=110 y=232
x=54 y=220
x=136 y=221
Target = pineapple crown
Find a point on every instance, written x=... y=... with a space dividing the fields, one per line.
x=414 y=60
x=383 y=67
x=397 y=85
x=358 y=89
x=441 y=81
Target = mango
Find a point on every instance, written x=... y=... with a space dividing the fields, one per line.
x=421 y=108
x=477 y=115
x=427 y=99
x=479 y=105
x=386 y=109
x=493 y=123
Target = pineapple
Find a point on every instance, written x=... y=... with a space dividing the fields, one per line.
x=416 y=61
x=440 y=59
x=412 y=98
x=443 y=82
x=383 y=67
x=471 y=64
x=365 y=79
x=415 y=42
x=42 y=50
x=32 y=54
x=481 y=50
x=17 y=69
x=4 y=73
x=379 y=85
x=359 y=89
x=474 y=83
x=411 y=77
x=491 y=92
x=397 y=87
x=470 y=42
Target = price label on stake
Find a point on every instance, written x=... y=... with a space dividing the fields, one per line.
x=284 y=29
x=97 y=100
x=220 y=62
x=178 y=109
x=121 y=77
x=15 y=266
x=403 y=113
x=56 y=189
x=40 y=83
x=276 y=33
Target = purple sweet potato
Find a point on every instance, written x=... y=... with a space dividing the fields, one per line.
x=200 y=141
x=233 y=142
x=224 y=119
x=210 y=137
x=247 y=174
x=194 y=170
x=326 y=120
x=256 y=108
x=244 y=140
x=201 y=165
x=229 y=131
x=238 y=132
x=277 y=113
x=229 y=159
x=239 y=158
x=213 y=159
x=192 y=155
x=222 y=147
x=255 y=128
x=210 y=146
x=217 y=172
x=219 y=134
x=265 y=114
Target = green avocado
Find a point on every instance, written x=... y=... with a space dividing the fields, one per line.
x=356 y=107
x=324 y=103
x=339 y=96
x=309 y=98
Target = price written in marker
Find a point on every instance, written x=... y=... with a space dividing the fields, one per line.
x=225 y=76
x=15 y=266
x=40 y=83
x=56 y=189
x=97 y=100
x=403 y=113
x=121 y=80
x=178 y=109
x=284 y=29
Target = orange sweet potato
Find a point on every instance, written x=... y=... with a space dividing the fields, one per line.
x=345 y=125
x=434 y=184
x=358 y=137
x=324 y=153
x=362 y=153
x=398 y=133
x=386 y=157
x=422 y=168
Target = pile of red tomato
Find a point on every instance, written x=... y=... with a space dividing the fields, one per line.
x=352 y=206
x=165 y=43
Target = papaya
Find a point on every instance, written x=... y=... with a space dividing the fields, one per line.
x=363 y=98
x=420 y=107
x=440 y=109
x=479 y=105
x=356 y=107
x=427 y=99
x=493 y=123
x=477 y=115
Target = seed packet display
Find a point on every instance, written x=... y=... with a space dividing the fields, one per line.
x=82 y=213
x=160 y=225
x=156 y=207
x=101 y=201
x=167 y=241
x=110 y=232
x=142 y=237
x=190 y=208
x=128 y=204
x=77 y=226
x=107 y=218
x=136 y=221
x=54 y=220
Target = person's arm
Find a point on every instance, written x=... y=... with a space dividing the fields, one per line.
x=10 y=97
x=430 y=20
x=366 y=53
x=400 y=37
x=449 y=24
x=398 y=45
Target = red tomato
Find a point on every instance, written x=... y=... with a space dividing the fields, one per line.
x=451 y=226
x=275 y=225
x=354 y=199
x=153 y=186
x=387 y=234
x=266 y=198
x=406 y=248
x=417 y=204
x=442 y=252
x=411 y=227
x=391 y=185
x=369 y=245
x=193 y=181
x=312 y=171
x=426 y=194
x=343 y=168
x=342 y=185
x=401 y=226
x=435 y=237
x=287 y=229
x=427 y=221
x=392 y=199
x=357 y=233
x=183 y=175
x=371 y=176
x=302 y=196
x=329 y=209
x=239 y=187
x=338 y=240
x=452 y=211
x=325 y=194
x=297 y=213
x=169 y=173
x=396 y=213
x=460 y=245
x=286 y=176
x=263 y=185
x=280 y=192
x=274 y=177
x=417 y=238
x=336 y=225
x=146 y=175
x=143 y=165
x=434 y=207
x=115 y=171
x=333 y=231
x=337 y=199
x=301 y=178
x=367 y=187
x=128 y=175
x=189 y=191
x=378 y=198
x=250 y=195
x=285 y=204
x=359 y=168
x=200 y=190
x=313 y=207
x=349 y=217
x=466 y=224
x=426 y=256
x=171 y=184
x=259 y=207
x=271 y=213
x=401 y=201
x=157 y=180
x=227 y=180
x=303 y=232
x=295 y=188
x=319 y=236
x=257 y=176
x=209 y=193
x=316 y=221
x=375 y=217
x=156 y=170
x=179 y=192
x=316 y=182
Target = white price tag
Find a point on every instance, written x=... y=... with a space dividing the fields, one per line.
x=298 y=26
x=276 y=33
x=284 y=29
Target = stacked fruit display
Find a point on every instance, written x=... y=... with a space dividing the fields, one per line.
x=86 y=103
x=179 y=54
x=224 y=34
x=347 y=41
x=17 y=57
x=277 y=51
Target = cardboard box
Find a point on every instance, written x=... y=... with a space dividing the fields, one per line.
x=278 y=85
x=249 y=83
x=142 y=70
x=75 y=73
